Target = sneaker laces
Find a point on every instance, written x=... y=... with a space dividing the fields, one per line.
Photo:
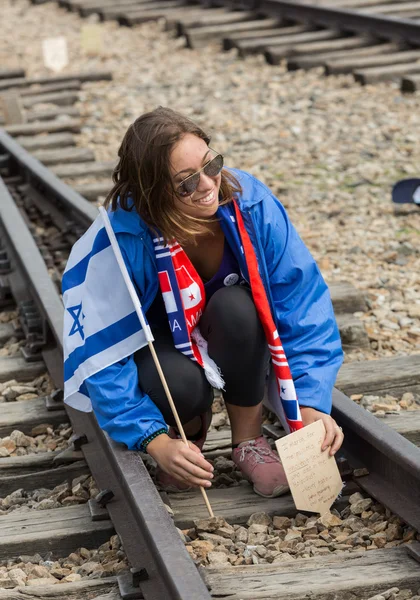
x=260 y=455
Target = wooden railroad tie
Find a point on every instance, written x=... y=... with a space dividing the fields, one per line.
x=308 y=61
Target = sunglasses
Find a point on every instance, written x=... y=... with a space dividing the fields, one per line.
x=190 y=184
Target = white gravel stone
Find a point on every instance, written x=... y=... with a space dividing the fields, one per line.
x=217 y=558
x=18 y=576
x=259 y=518
x=20 y=439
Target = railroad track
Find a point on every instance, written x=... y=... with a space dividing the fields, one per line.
x=39 y=113
x=257 y=548
x=374 y=40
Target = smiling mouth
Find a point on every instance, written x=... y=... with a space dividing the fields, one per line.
x=206 y=200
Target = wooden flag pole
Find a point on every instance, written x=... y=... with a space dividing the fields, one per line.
x=147 y=331
x=176 y=417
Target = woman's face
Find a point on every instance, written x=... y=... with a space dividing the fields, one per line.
x=188 y=156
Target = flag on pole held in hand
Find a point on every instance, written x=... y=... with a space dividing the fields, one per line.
x=103 y=319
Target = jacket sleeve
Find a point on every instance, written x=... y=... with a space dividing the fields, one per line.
x=302 y=305
x=127 y=414
x=121 y=408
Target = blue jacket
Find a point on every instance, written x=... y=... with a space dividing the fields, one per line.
x=299 y=298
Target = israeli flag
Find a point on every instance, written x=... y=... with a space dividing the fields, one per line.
x=103 y=318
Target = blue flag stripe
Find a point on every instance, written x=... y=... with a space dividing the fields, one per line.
x=291 y=409
x=77 y=274
x=100 y=341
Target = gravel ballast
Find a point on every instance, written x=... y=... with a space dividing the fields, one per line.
x=37 y=570
x=363 y=525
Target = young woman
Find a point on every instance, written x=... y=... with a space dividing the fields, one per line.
x=223 y=277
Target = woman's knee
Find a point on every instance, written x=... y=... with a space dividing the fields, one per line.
x=233 y=310
x=190 y=390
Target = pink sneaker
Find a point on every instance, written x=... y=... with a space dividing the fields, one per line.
x=261 y=466
x=167 y=482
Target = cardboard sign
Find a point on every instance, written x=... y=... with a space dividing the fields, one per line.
x=55 y=53
x=313 y=476
x=91 y=40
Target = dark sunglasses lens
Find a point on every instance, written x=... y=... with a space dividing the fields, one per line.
x=214 y=167
x=189 y=186
x=211 y=169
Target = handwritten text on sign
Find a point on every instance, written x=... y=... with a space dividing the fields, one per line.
x=312 y=475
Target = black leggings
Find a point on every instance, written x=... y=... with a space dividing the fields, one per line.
x=237 y=344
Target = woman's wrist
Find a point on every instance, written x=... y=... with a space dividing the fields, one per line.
x=311 y=409
x=154 y=446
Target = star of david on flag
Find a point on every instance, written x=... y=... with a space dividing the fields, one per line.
x=77 y=314
x=97 y=332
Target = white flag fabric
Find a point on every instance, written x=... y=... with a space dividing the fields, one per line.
x=101 y=322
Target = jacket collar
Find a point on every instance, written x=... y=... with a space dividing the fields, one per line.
x=253 y=191
x=127 y=221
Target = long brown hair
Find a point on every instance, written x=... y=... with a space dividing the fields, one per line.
x=142 y=179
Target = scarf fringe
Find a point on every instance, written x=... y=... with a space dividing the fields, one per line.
x=212 y=371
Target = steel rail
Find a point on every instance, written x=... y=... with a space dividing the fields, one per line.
x=24 y=254
x=39 y=175
x=161 y=564
x=392 y=461
x=352 y=21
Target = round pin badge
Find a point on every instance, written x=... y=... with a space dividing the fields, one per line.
x=231 y=279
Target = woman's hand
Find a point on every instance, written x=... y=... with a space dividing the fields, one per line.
x=333 y=434
x=183 y=462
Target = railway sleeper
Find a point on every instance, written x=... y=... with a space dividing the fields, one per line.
x=10 y=73
x=112 y=12
x=15 y=367
x=200 y=36
x=98 y=589
x=46 y=142
x=47 y=478
x=52 y=113
x=24 y=416
x=69 y=125
x=66 y=98
x=64 y=156
x=388 y=72
x=64 y=87
x=196 y=18
x=355 y=575
x=58 y=530
x=274 y=55
x=351 y=64
x=109 y=10
x=307 y=61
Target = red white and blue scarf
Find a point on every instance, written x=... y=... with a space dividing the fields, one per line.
x=184 y=296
